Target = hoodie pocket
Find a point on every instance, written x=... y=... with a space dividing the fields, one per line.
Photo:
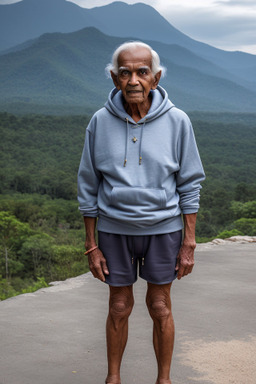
x=146 y=199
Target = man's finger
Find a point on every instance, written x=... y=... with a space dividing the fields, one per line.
x=98 y=273
x=96 y=270
x=104 y=267
x=177 y=264
x=180 y=272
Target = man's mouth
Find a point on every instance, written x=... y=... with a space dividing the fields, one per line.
x=133 y=91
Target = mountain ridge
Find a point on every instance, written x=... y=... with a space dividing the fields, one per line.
x=96 y=17
x=42 y=16
x=199 y=76
x=68 y=70
x=11 y=16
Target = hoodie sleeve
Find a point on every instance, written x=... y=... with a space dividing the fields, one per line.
x=191 y=172
x=88 y=179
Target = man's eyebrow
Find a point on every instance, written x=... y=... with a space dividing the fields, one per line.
x=145 y=67
x=127 y=69
x=123 y=69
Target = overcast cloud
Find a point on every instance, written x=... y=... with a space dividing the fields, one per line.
x=226 y=24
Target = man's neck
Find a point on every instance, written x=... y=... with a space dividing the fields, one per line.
x=138 y=111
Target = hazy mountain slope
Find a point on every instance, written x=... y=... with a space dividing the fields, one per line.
x=182 y=56
x=208 y=92
x=68 y=70
x=57 y=69
x=137 y=20
x=31 y=18
x=144 y=22
x=28 y=19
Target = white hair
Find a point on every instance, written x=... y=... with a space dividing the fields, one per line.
x=113 y=66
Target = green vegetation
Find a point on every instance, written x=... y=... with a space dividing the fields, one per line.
x=41 y=230
x=41 y=240
x=228 y=152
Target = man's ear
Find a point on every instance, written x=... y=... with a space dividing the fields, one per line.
x=115 y=79
x=156 y=79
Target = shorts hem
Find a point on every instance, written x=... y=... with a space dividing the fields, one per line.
x=158 y=283
x=119 y=285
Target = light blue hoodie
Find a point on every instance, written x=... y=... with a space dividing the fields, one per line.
x=138 y=178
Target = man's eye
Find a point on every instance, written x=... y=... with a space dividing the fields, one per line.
x=143 y=71
x=124 y=73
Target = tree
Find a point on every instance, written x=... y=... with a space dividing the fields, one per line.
x=69 y=261
x=246 y=226
x=12 y=234
x=36 y=254
x=246 y=210
x=244 y=192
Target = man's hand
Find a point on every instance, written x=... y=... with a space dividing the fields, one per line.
x=185 y=260
x=97 y=264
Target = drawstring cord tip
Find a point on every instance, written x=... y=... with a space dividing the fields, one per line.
x=140 y=160
x=125 y=162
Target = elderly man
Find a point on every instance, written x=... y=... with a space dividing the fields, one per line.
x=139 y=178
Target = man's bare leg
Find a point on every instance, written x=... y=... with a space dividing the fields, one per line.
x=120 y=307
x=159 y=306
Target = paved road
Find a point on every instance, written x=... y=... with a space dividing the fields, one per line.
x=57 y=335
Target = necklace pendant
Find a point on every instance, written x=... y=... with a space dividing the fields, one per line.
x=134 y=139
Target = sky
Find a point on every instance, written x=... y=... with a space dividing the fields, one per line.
x=225 y=24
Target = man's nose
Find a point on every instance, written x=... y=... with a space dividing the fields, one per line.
x=133 y=79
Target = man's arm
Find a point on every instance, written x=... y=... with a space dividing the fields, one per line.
x=97 y=262
x=185 y=260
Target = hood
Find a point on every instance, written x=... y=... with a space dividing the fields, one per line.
x=160 y=105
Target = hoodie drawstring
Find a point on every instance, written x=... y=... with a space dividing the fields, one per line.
x=127 y=138
x=133 y=252
x=140 y=151
x=127 y=142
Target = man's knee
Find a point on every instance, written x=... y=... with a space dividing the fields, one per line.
x=159 y=307
x=120 y=306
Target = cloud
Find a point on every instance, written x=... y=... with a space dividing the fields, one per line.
x=99 y=3
x=220 y=23
x=237 y=3
x=5 y=2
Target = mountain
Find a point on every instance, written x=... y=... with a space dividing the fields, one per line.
x=65 y=72
x=28 y=19
x=58 y=64
x=58 y=69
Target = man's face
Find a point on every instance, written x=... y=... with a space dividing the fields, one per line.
x=135 y=78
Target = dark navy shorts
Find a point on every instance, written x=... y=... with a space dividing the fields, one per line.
x=154 y=255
